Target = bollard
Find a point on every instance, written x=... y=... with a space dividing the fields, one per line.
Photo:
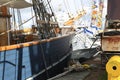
x=113 y=68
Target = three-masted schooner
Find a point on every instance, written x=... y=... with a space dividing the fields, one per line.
x=25 y=56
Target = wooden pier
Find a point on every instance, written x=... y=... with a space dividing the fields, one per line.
x=95 y=72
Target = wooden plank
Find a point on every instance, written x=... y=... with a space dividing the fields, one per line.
x=3 y=28
x=53 y=22
x=44 y=22
x=3 y=25
x=4 y=39
x=41 y=21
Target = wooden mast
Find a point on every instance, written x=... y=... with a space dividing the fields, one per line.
x=4 y=26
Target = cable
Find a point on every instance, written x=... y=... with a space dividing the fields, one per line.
x=75 y=5
x=19 y=19
x=68 y=11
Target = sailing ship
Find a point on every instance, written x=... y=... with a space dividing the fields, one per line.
x=36 y=53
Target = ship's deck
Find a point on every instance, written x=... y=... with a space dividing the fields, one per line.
x=95 y=72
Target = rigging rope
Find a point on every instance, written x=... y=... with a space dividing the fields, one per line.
x=82 y=5
x=68 y=11
x=19 y=19
x=51 y=5
x=26 y=21
x=76 y=8
x=48 y=3
x=14 y=19
x=32 y=17
x=68 y=5
x=51 y=9
x=16 y=27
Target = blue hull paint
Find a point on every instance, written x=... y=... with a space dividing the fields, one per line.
x=39 y=61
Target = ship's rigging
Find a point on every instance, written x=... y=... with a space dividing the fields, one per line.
x=48 y=30
x=49 y=18
x=46 y=23
x=82 y=12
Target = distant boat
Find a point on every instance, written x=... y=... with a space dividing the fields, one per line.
x=35 y=53
x=84 y=47
x=85 y=43
x=83 y=55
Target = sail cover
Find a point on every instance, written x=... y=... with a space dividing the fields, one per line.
x=113 y=12
x=15 y=3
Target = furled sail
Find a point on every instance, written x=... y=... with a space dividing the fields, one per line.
x=15 y=3
x=113 y=12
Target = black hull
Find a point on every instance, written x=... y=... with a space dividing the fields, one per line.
x=53 y=71
x=38 y=61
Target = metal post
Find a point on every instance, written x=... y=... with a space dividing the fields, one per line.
x=19 y=74
x=4 y=66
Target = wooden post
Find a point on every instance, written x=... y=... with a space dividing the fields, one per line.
x=4 y=26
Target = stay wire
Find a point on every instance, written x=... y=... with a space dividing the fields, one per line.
x=68 y=11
